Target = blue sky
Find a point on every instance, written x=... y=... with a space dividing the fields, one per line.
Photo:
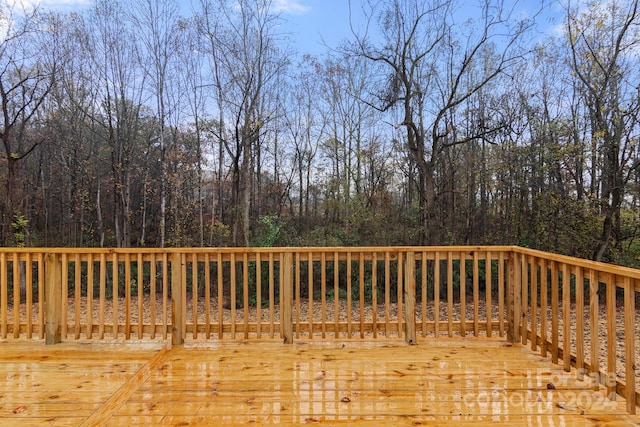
x=309 y=23
x=314 y=22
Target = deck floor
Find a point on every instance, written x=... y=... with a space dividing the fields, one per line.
x=437 y=382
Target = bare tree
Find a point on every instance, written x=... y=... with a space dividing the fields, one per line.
x=157 y=24
x=604 y=40
x=118 y=81
x=425 y=56
x=26 y=78
x=246 y=60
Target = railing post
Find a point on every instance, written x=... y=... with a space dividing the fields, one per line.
x=512 y=328
x=410 y=298
x=53 y=298
x=177 y=315
x=286 y=311
x=630 y=344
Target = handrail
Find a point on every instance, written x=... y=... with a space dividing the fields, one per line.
x=560 y=288
x=291 y=293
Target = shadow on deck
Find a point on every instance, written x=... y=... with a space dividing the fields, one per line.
x=437 y=382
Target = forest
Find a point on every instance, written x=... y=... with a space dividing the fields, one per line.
x=134 y=124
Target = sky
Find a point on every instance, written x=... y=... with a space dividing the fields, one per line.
x=311 y=24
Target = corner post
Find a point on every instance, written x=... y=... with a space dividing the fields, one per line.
x=410 y=298
x=53 y=298
x=286 y=311
x=177 y=316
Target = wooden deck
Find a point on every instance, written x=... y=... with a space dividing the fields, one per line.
x=449 y=381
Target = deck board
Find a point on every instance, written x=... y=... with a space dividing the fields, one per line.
x=437 y=382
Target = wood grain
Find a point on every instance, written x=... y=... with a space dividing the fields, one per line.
x=448 y=381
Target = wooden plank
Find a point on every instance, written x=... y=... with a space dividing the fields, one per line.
x=517 y=297
x=310 y=288
x=165 y=295
x=194 y=295
x=544 y=297
x=578 y=262
x=349 y=295
x=116 y=400
x=271 y=295
x=400 y=277
x=487 y=287
x=423 y=289
x=351 y=382
x=177 y=296
x=152 y=294
x=102 y=297
x=610 y=283
x=450 y=293
x=258 y=293
x=220 y=293
x=28 y=294
x=436 y=293
x=297 y=292
x=317 y=328
x=336 y=291
x=630 y=344
x=77 y=292
x=281 y=291
x=463 y=293
x=53 y=295
x=566 y=316
x=534 y=302
x=16 y=295
x=512 y=334
x=361 y=281
x=323 y=294
x=233 y=278
x=501 y=286
x=41 y=290
x=594 y=326
x=245 y=292
x=374 y=293
x=114 y=292
x=579 y=325
x=476 y=296
x=140 y=284
x=127 y=296
x=555 y=310
x=387 y=290
x=286 y=273
x=409 y=298
x=90 y=283
x=183 y=285
x=524 y=276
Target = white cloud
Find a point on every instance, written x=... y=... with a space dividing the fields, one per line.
x=293 y=7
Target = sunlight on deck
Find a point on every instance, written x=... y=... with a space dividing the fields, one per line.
x=443 y=382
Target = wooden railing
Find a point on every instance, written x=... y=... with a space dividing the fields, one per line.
x=579 y=312
x=582 y=314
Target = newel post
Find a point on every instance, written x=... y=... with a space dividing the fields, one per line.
x=53 y=298
x=177 y=315
x=286 y=311
x=410 y=298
